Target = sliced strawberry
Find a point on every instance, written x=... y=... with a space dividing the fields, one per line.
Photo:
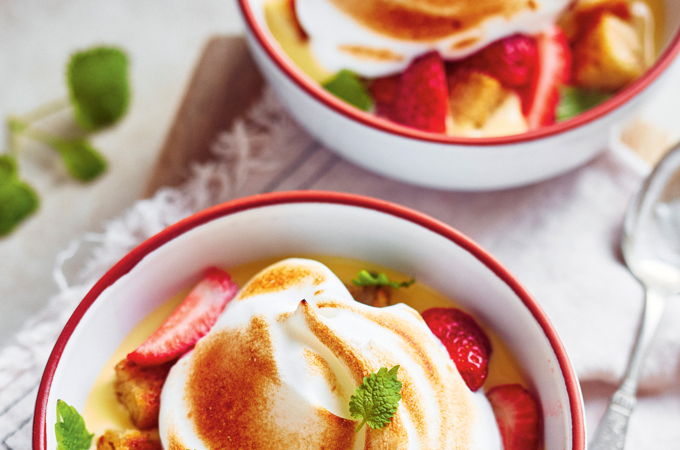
x=511 y=60
x=422 y=95
x=189 y=322
x=468 y=345
x=518 y=416
x=384 y=91
x=540 y=100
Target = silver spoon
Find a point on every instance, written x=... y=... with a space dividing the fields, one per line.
x=651 y=249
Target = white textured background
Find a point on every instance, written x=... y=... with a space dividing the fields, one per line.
x=164 y=39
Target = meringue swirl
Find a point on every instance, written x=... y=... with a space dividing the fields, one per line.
x=381 y=37
x=278 y=368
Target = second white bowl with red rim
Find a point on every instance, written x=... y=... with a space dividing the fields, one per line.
x=308 y=223
x=441 y=161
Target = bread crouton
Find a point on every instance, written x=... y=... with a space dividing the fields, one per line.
x=378 y=296
x=129 y=440
x=138 y=389
x=475 y=96
x=609 y=56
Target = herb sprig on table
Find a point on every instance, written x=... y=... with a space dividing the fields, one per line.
x=99 y=95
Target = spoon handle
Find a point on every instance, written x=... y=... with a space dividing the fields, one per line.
x=611 y=432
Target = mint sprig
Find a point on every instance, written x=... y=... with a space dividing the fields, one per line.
x=375 y=402
x=83 y=162
x=70 y=429
x=366 y=278
x=99 y=96
x=98 y=86
x=18 y=200
x=574 y=101
x=347 y=86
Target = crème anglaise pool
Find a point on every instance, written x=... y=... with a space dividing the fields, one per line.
x=282 y=361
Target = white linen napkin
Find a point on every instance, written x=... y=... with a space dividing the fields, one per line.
x=558 y=237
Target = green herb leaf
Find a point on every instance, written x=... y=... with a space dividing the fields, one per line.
x=377 y=399
x=83 y=162
x=347 y=86
x=70 y=429
x=366 y=278
x=574 y=101
x=98 y=86
x=8 y=167
x=18 y=200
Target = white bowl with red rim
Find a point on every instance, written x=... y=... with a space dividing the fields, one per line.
x=307 y=223
x=441 y=161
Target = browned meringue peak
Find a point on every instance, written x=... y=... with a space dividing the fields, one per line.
x=277 y=372
x=424 y=20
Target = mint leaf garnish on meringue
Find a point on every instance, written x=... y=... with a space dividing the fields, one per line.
x=377 y=399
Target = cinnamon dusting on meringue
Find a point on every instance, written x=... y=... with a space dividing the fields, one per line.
x=276 y=279
x=425 y=20
x=370 y=53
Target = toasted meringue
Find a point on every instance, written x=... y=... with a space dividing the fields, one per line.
x=381 y=37
x=278 y=369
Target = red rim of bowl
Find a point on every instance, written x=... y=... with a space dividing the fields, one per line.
x=128 y=262
x=314 y=90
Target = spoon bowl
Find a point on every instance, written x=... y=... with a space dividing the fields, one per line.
x=651 y=234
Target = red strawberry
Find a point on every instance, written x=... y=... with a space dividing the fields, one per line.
x=518 y=416
x=540 y=100
x=384 y=91
x=422 y=99
x=189 y=322
x=511 y=60
x=468 y=345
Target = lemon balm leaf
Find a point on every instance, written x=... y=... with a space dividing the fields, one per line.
x=8 y=167
x=366 y=278
x=18 y=201
x=83 y=162
x=70 y=429
x=574 y=101
x=98 y=86
x=375 y=402
x=347 y=86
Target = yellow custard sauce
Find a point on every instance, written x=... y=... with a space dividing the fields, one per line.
x=102 y=410
x=281 y=22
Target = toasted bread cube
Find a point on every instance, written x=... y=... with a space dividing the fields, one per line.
x=138 y=388
x=609 y=56
x=584 y=13
x=378 y=296
x=129 y=440
x=475 y=96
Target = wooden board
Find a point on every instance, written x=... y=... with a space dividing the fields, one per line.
x=224 y=83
